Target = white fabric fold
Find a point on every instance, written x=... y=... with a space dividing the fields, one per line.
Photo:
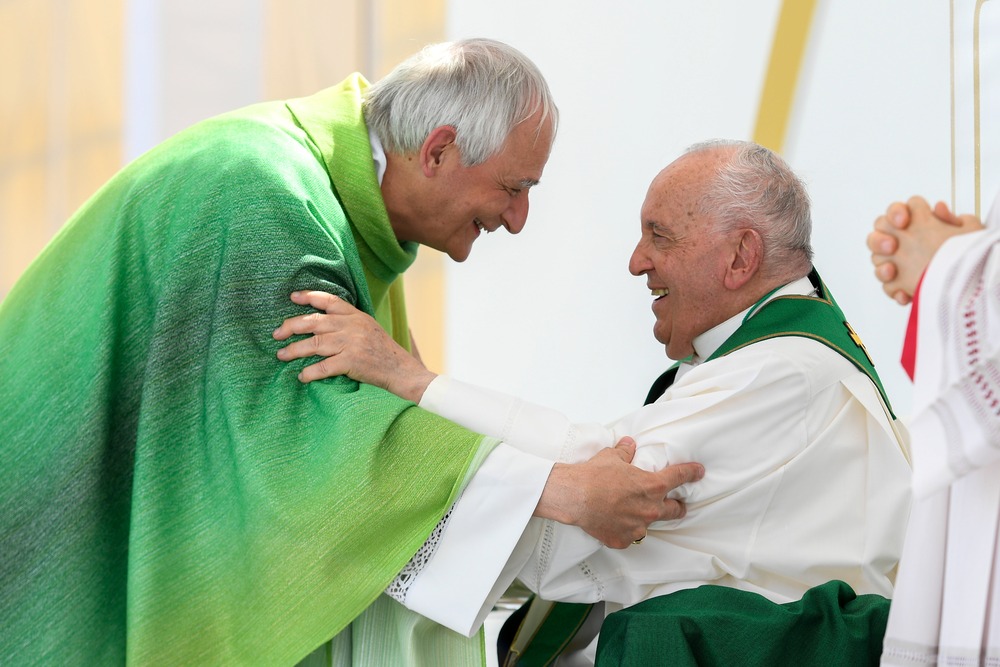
x=945 y=610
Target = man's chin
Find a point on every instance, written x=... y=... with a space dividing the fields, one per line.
x=664 y=340
x=459 y=254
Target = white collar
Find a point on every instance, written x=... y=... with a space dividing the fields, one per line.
x=707 y=343
x=378 y=154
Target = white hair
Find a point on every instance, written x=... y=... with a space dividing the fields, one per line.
x=481 y=87
x=756 y=188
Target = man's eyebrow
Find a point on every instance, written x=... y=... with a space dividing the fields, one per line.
x=528 y=182
x=652 y=225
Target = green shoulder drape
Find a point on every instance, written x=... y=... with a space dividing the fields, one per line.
x=171 y=493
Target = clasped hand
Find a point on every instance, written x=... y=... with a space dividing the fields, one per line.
x=905 y=238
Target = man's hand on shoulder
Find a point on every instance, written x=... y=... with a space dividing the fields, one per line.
x=350 y=343
x=611 y=499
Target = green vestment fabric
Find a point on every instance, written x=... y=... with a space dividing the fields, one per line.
x=720 y=626
x=171 y=493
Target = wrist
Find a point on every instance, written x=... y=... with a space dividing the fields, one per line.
x=414 y=385
x=560 y=498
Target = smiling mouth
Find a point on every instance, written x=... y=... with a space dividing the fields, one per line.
x=481 y=226
x=660 y=292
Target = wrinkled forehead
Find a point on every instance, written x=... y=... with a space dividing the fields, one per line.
x=678 y=189
x=535 y=133
x=527 y=149
x=670 y=194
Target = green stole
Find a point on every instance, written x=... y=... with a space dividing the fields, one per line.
x=818 y=318
x=173 y=494
x=386 y=632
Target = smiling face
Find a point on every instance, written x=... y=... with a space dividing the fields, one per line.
x=452 y=204
x=685 y=260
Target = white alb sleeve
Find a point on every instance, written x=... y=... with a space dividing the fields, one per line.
x=484 y=544
x=489 y=535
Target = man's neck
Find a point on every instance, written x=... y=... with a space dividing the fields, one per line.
x=706 y=343
x=396 y=186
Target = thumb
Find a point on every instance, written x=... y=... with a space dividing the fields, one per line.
x=942 y=211
x=627 y=447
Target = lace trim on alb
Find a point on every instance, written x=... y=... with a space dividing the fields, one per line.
x=984 y=393
x=545 y=553
x=586 y=571
x=400 y=586
x=899 y=652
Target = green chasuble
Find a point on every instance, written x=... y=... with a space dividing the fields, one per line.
x=715 y=625
x=171 y=493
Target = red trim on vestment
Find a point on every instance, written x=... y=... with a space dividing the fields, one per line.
x=909 y=356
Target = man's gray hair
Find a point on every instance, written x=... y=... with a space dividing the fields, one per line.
x=756 y=188
x=481 y=87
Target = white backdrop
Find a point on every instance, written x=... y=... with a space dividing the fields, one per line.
x=553 y=314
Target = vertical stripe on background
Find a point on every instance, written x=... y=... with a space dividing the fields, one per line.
x=787 y=51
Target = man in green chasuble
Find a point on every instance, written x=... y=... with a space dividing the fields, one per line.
x=172 y=493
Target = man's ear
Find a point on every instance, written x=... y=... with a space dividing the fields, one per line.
x=746 y=259
x=438 y=145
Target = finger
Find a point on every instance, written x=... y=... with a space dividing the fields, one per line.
x=881 y=243
x=319 y=300
x=884 y=226
x=293 y=325
x=625 y=448
x=673 y=509
x=320 y=345
x=969 y=221
x=681 y=473
x=886 y=271
x=893 y=291
x=898 y=214
x=919 y=209
x=327 y=368
x=943 y=211
x=313 y=323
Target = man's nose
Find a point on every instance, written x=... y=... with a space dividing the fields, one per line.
x=638 y=263
x=516 y=214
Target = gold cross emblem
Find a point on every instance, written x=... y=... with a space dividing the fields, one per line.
x=857 y=341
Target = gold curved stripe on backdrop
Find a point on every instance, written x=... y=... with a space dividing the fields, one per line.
x=425 y=281
x=787 y=53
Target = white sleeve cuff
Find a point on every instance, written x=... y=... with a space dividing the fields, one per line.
x=485 y=543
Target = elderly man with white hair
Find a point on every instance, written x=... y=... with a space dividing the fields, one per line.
x=806 y=492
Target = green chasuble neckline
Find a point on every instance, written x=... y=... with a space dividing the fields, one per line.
x=816 y=317
x=334 y=121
